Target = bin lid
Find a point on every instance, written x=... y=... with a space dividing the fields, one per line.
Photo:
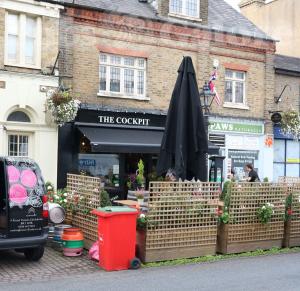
x=114 y=209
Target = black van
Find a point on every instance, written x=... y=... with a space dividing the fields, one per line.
x=23 y=207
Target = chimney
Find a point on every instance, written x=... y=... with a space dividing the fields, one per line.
x=163 y=7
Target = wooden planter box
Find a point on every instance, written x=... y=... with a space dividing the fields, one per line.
x=291 y=233
x=169 y=249
x=233 y=238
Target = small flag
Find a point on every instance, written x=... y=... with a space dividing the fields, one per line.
x=212 y=87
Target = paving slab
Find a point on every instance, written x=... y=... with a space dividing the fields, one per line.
x=15 y=268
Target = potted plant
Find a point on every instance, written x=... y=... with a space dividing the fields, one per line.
x=140 y=179
x=62 y=106
x=140 y=197
x=290 y=123
x=265 y=212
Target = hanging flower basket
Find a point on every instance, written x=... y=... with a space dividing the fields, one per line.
x=63 y=106
x=290 y=123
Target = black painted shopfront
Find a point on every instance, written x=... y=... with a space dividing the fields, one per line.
x=108 y=143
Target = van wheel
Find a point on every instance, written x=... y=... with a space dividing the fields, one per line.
x=34 y=254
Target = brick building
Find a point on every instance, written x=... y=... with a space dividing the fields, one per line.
x=279 y=20
x=287 y=87
x=121 y=58
x=28 y=50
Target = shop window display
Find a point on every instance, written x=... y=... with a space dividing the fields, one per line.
x=105 y=166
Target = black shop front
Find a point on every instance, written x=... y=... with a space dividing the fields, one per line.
x=108 y=143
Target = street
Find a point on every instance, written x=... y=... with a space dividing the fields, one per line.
x=267 y=273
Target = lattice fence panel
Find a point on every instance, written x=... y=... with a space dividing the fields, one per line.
x=294 y=189
x=182 y=214
x=88 y=190
x=289 y=180
x=245 y=200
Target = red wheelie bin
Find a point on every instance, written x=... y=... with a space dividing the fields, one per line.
x=117 y=237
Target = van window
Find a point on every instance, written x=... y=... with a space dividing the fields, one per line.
x=3 y=198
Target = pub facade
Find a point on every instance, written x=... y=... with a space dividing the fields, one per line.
x=122 y=61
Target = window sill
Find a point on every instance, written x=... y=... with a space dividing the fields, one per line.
x=22 y=66
x=185 y=17
x=235 y=106
x=139 y=98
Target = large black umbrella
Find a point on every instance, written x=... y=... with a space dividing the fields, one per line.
x=184 y=144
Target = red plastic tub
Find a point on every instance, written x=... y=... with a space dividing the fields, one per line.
x=117 y=236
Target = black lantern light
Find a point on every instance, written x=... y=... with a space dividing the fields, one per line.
x=207 y=98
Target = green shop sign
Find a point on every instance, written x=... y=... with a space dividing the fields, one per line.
x=235 y=127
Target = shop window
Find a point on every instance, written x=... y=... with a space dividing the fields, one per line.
x=189 y=8
x=235 y=87
x=279 y=151
x=18 y=116
x=18 y=145
x=286 y=158
x=122 y=76
x=105 y=166
x=23 y=40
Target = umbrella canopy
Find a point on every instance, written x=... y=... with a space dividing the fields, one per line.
x=184 y=145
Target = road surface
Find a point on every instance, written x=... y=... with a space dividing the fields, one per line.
x=264 y=273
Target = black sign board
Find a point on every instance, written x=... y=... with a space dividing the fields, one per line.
x=121 y=119
x=276 y=117
x=25 y=221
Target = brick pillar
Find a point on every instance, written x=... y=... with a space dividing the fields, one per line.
x=66 y=45
x=269 y=91
x=204 y=11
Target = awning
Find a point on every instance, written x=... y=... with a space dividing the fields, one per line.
x=104 y=139
x=122 y=140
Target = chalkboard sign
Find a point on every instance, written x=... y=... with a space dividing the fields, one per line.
x=25 y=191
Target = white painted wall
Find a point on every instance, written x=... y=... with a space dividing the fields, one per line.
x=22 y=92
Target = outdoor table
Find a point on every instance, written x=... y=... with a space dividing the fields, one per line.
x=130 y=203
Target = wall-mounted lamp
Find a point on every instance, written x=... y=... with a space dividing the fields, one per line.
x=278 y=99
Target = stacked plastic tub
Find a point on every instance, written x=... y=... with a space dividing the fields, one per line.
x=72 y=241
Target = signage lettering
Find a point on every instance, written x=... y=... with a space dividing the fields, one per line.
x=236 y=127
x=123 y=120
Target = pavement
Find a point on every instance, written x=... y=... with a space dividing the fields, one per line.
x=263 y=273
x=15 y=268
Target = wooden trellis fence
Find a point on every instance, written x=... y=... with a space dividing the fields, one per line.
x=182 y=221
x=245 y=232
x=88 y=191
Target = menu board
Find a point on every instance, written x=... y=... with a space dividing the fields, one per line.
x=25 y=191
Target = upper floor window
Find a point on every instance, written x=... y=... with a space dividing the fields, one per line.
x=235 y=87
x=22 y=40
x=122 y=76
x=190 y=8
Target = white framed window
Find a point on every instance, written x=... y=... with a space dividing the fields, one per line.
x=22 y=40
x=18 y=145
x=235 y=87
x=190 y=8
x=122 y=76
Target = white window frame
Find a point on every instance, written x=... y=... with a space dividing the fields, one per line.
x=21 y=62
x=15 y=133
x=184 y=10
x=233 y=103
x=122 y=66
